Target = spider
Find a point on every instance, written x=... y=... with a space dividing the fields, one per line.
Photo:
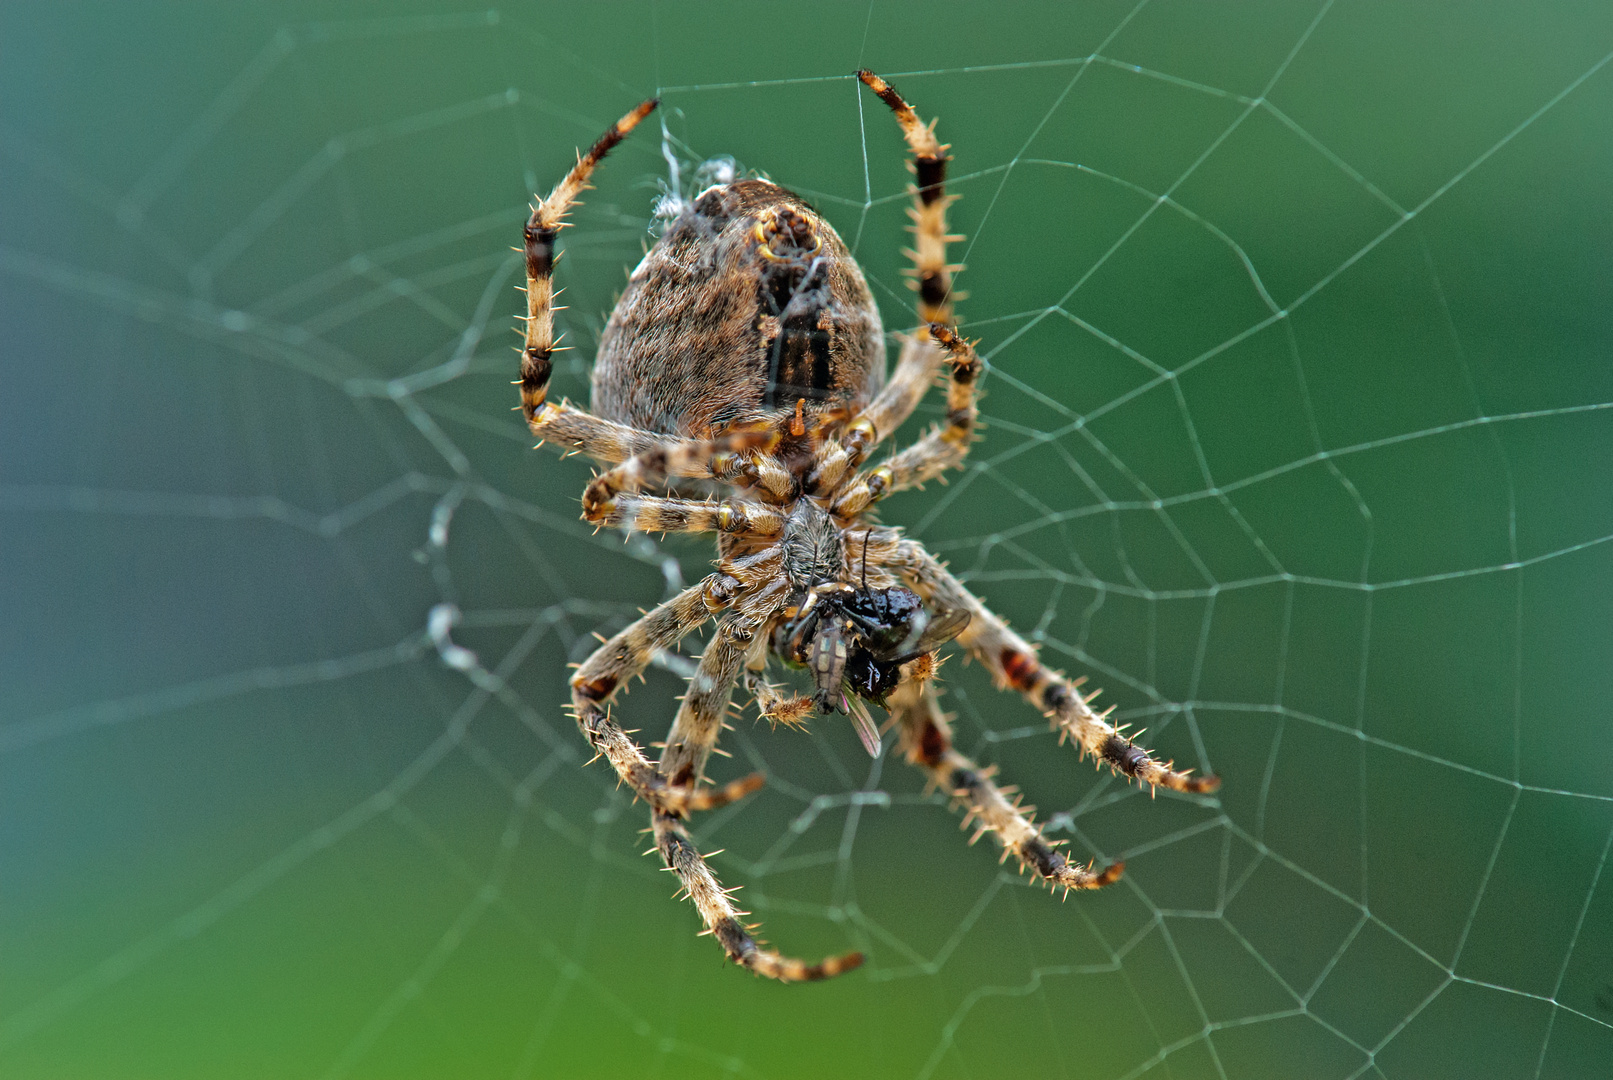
x=739 y=388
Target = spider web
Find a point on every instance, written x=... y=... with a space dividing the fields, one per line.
x=1298 y=425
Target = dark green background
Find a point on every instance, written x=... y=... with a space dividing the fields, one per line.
x=1307 y=465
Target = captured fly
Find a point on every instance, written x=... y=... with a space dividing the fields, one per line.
x=856 y=640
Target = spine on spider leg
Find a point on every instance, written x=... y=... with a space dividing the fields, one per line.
x=548 y=218
x=927 y=739
x=650 y=513
x=931 y=200
x=941 y=448
x=648 y=783
x=1072 y=717
x=930 y=238
x=722 y=918
x=962 y=411
x=737 y=457
x=1014 y=665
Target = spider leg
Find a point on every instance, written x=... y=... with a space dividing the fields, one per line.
x=895 y=402
x=930 y=201
x=1013 y=663
x=548 y=218
x=705 y=703
x=927 y=740
x=579 y=431
x=941 y=448
x=722 y=918
x=628 y=654
x=671 y=802
x=738 y=456
x=691 y=740
x=916 y=367
x=655 y=513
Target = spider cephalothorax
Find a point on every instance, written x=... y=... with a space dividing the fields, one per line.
x=745 y=364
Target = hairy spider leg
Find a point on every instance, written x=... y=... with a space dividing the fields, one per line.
x=576 y=431
x=618 y=660
x=941 y=448
x=932 y=274
x=688 y=745
x=564 y=424
x=741 y=455
x=1013 y=664
x=926 y=738
x=655 y=513
x=773 y=704
x=705 y=703
x=548 y=218
x=672 y=787
x=722 y=918
x=930 y=201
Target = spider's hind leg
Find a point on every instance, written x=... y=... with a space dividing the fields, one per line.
x=615 y=662
x=722 y=918
x=930 y=201
x=927 y=739
x=932 y=274
x=941 y=448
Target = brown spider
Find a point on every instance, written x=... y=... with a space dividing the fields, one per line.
x=746 y=356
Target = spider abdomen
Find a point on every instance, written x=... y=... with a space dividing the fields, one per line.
x=748 y=303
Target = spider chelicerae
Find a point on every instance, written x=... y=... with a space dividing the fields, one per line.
x=742 y=374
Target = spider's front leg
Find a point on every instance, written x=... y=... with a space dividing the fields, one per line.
x=1013 y=664
x=722 y=918
x=927 y=739
x=693 y=737
x=628 y=654
x=672 y=787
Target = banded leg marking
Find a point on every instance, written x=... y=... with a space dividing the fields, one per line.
x=693 y=736
x=626 y=655
x=548 y=218
x=1013 y=664
x=941 y=448
x=723 y=919
x=927 y=740
x=737 y=457
x=915 y=370
x=930 y=201
x=705 y=702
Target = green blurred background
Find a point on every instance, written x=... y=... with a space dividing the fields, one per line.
x=1301 y=423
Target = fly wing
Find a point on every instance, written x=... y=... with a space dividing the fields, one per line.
x=930 y=634
x=864 y=723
